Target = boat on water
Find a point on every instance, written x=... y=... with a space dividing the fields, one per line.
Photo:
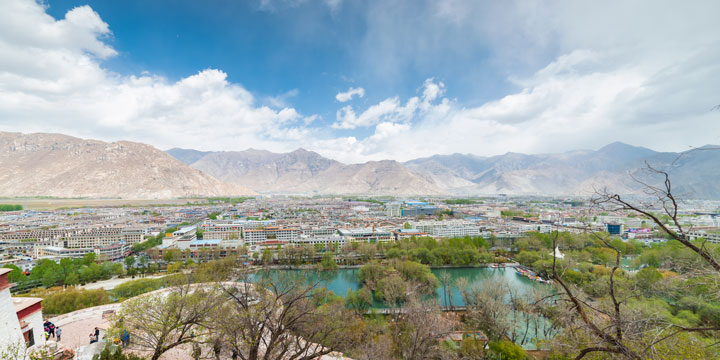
x=530 y=275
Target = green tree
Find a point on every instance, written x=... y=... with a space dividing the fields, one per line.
x=359 y=301
x=507 y=350
x=129 y=261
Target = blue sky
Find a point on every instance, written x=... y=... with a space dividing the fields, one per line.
x=427 y=77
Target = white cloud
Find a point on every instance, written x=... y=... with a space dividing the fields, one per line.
x=51 y=80
x=648 y=78
x=389 y=110
x=348 y=95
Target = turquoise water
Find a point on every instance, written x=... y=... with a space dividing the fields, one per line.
x=339 y=281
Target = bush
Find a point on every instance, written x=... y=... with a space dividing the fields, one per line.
x=72 y=299
x=134 y=288
x=507 y=350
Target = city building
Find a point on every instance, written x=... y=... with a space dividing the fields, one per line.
x=614 y=229
x=271 y=233
x=408 y=233
x=367 y=235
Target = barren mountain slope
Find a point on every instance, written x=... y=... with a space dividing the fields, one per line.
x=65 y=166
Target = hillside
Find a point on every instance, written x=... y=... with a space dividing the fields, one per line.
x=694 y=173
x=306 y=172
x=64 y=166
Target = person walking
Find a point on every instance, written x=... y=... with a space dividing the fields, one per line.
x=125 y=338
x=58 y=333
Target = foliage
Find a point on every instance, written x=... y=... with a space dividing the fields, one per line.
x=10 y=207
x=507 y=350
x=57 y=301
x=134 y=288
x=108 y=354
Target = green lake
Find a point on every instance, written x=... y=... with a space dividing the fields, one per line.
x=339 y=281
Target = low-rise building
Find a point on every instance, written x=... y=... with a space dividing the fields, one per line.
x=367 y=235
x=271 y=233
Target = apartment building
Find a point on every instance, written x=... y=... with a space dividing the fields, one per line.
x=222 y=231
x=273 y=233
x=324 y=231
x=713 y=237
x=367 y=235
x=450 y=228
x=393 y=209
x=325 y=241
x=408 y=233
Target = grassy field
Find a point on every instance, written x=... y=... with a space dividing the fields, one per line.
x=57 y=203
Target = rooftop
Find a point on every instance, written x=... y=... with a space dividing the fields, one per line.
x=22 y=303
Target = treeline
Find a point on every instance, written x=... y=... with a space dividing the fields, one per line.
x=228 y=200
x=462 y=201
x=10 y=207
x=459 y=251
x=48 y=273
x=58 y=300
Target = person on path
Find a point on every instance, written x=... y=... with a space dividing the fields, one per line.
x=125 y=338
x=58 y=333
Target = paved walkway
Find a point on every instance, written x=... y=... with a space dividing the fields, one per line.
x=78 y=325
x=112 y=283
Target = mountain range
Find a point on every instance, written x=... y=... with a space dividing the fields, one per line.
x=695 y=174
x=64 y=166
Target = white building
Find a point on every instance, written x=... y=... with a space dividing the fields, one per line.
x=325 y=240
x=449 y=228
x=713 y=237
x=393 y=209
x=282 y=235
x=21 y=321
x=367 y=235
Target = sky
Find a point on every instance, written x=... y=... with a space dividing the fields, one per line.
x=364 y=80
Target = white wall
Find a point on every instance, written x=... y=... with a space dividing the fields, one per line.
x=9 y=325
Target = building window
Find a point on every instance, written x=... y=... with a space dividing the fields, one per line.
x=29 y=338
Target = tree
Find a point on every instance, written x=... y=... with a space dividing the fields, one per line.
x=615 y=327
x=158 y=322
x=507 y=350
x=359 y=301
x=367 y=251
x=418 y=329
x=129 y=261
x=279 y=319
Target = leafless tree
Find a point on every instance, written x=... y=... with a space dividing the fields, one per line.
x=276 y=320
x=160 y=321
x=418 y=329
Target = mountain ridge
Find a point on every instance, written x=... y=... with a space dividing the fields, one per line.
x=575 y=172
x=46 y=164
